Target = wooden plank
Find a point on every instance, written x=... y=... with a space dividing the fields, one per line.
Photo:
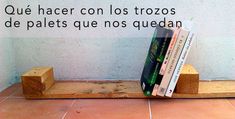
x=97 y=89
x=212 y=89
x=128 y=89
x=39 y=83
x=188 y=82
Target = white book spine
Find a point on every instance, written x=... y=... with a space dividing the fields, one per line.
x=172 y=62
x=179 y=65
x=169 y=51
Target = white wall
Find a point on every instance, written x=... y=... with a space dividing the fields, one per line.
x=84 y=58
x=7 y=64
x=120 y=54
x=7 y=59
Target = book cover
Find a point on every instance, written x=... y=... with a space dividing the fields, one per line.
x=172 y=62
x=159 y=44
x=179 y=65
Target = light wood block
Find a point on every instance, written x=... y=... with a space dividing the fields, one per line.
x=37 y=80
x=188 y=82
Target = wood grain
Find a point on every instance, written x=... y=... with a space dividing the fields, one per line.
x=188 y=82
x=37 y=80
x=39 y=83
x=128 y=89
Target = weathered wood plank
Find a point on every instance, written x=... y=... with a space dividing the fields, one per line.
x=39 y=83
x=128 y=89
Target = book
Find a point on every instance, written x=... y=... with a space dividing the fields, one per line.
x=179 y=65
x=155 y=57
x=183 y=34
x=160 y=60
x=169 y=51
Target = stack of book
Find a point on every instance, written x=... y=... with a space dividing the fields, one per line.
x=165 y=59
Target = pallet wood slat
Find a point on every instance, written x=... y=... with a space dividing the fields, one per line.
x=44 y=87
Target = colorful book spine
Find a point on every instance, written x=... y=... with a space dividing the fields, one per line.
x=179 y=65
x=172 y=62
x=169 y=51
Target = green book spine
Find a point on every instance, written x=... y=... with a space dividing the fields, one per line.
x=155 y=57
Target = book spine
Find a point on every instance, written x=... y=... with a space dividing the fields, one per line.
x=160 y=57
x=161 y=41
x=150 y=63
x=172 y=62
x=168 y=53
x=179 y=65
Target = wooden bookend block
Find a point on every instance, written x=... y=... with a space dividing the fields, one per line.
x=188 y=82
x=37 y=80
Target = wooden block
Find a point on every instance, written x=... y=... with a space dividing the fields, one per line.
x=37 y=80
x=188 y=82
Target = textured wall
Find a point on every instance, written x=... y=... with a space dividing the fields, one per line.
x=120 y=54
x=84 y=58
x=118 y=58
